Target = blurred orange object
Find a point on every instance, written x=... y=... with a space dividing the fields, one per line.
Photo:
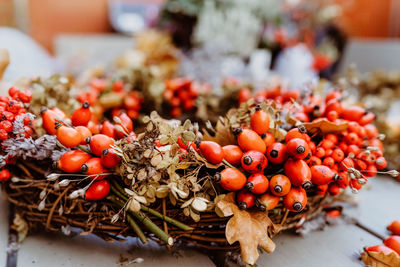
x=49 y=18
x=366 y=18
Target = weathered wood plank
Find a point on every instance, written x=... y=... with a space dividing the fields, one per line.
x=3 y=230
x=379 y=204
x=337 y=245
x=59 y=250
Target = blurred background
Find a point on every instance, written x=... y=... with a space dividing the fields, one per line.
x=78 y=34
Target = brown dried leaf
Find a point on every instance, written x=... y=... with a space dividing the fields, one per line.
x=379 y=259
x=223 y=134
x=324 y=126
x=250 y=228
x=278 y=133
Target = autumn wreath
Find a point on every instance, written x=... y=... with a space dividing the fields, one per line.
x=266 y=166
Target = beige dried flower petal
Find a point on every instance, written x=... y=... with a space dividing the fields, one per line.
x=133 y=205
x=147 y=153
x=142 y=175
x=151 y=192
x=187 y=203
x=172 y=198
x=199 y=204
x=129 y=192
x=164 y=139
x=150 y=127
x=162 y=191
x=187 y=125
x=156 y=160
x=165 y=128
x=146 y=119
x=186 y=211
x=188 y=136
x=178 y=131
x=195 y=216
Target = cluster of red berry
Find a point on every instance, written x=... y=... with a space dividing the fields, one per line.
x=301 y=163
x=131 y=103
x=181 y=94
x=92 y=153
x=11 y=107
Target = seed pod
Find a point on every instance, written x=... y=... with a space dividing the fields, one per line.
x=94 y=168
x=257 y=183
x=232 y=154
x=67 y=136
x=393 y=242
x=268 y=139
x=298 y=172
x=249 y=140
x=381 y=163
x=98 y=190
x=71 y=161
x=321 y=175
x=109 y=158
x=394 y=227
x=296 y=199
x=99 y=142
x=49 y=119
x=82 y=115
x=245 y=199
x=231 y=179
x=299 y=132
x=267 y=201
x=254 y=161
x=277 y=153
x=298 y=148
x=259 y=121
x=334 y=189
x=211 y=151
x=322 y=189
x=280 y=185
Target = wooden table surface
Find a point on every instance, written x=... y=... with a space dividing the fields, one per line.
x=337 y=245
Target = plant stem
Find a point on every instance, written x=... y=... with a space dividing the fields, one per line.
x=119 y=188
x=137 y=229
x=166 y=218
x=118 y=193
x=84 y=149
x=227 y=163
x=121 y=194
x=153 y=228
x=146 y=222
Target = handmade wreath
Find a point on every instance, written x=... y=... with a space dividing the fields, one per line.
x=265 y=167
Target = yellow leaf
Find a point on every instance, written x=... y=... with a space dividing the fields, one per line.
x=379 y=259
x=250 y=228
x=324 y=126
x=223 y=134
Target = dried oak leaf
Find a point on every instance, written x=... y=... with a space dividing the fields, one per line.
x=324 y=126
x=379 y=259
x=250 y=228
x=223 y=133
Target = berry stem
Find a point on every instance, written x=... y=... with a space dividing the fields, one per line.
x=84 y=149
x=228 y=164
